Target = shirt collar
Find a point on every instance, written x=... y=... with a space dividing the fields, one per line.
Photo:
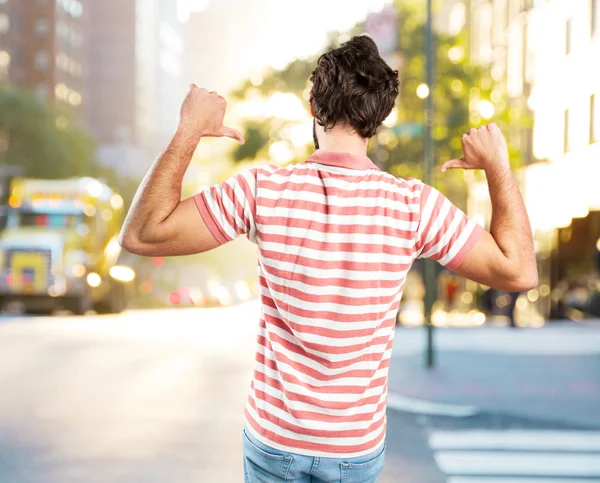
x=341 y=160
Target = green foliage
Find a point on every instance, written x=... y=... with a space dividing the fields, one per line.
x=46 y=143
x=41 y=140
x=460 y=86
x=256 y=137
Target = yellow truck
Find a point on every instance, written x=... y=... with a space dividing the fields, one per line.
x=59 y=248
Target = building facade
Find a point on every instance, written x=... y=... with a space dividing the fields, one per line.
x=159 y=62
x=134 y=80
x=42 y=48
x=206 y=62
x=110 y=74
x=544 y=54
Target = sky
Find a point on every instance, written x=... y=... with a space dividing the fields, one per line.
x=277 y=31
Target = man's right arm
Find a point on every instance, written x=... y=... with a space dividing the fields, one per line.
x=503 y=258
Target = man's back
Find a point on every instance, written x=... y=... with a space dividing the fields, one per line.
x=336 y=237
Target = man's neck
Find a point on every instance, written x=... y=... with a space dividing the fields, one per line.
x=339 y=140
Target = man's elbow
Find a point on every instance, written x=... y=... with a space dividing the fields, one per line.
x=526 y=281
x=131 y=242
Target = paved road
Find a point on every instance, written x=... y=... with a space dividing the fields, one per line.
x=157 y=396
x=144 y=397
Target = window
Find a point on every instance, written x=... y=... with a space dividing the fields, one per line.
x=42 y=61
x=499 y=21
x=4 y=58
x=61 y=91
x=593 y=17
x=62 y=29
x=75 y=98
x=566 y=133
x=485 y=33
x=524 y=48
x=42 y=28
x=73 y=7
x=75 y=69
x=47 y=220
x=4 y=23
x=4 y=64
x=42 y=90
x=76 y=9
x=75 y=38
x=568 y=37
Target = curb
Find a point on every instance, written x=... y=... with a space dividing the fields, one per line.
x=431 y=408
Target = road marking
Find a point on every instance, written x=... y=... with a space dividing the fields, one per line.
x=569 y=441
x=517 y=456
x=430 y=408
x=519 y=464
x=479 y=479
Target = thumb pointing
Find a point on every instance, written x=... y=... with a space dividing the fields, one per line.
x=453 y=164
x=232 y=133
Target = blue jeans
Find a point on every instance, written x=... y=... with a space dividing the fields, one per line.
x=263 y=464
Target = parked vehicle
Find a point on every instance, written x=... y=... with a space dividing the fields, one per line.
x=60 y=249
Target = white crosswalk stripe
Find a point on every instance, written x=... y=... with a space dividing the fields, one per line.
x=517 y=456
x=479 y=479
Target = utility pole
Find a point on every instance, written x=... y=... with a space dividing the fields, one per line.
x=428 y=264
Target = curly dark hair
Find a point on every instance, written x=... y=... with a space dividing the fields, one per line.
x=353 y=85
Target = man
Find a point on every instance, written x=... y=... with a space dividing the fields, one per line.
x=336 y=238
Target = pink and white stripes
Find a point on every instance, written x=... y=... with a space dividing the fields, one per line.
x=336 y=237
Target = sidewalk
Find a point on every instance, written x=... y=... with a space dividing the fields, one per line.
x=551 y=373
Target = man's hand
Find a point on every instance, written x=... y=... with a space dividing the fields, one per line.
x=202 y=115
x=159 y=222
x=484 y=148
x=503 y=258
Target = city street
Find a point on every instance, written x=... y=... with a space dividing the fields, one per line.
x=157 y=396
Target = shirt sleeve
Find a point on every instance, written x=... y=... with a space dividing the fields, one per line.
x=229 y=208
x=445 y=233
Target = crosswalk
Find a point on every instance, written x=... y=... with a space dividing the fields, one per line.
x=517 y=456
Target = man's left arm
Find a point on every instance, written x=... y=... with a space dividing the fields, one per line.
x=159 y=223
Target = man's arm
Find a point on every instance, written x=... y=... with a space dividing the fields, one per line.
x=503 y=258
x=158 y=222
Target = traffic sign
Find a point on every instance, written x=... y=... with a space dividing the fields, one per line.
x=409 y=129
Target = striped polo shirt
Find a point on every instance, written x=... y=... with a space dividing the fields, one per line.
x=336 y=237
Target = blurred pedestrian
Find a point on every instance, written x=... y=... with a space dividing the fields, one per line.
x=512 y=308
x=336 y=237
x=597 y=256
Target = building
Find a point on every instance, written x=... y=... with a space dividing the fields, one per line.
x=111 y=76
x=500 y=39
x=544 y=55
x=134 y=80
x=110 y=73
x=206 y=62
x=159 y=61
x=42 y=48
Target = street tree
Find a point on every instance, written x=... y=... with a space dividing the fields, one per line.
x=41 y=139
